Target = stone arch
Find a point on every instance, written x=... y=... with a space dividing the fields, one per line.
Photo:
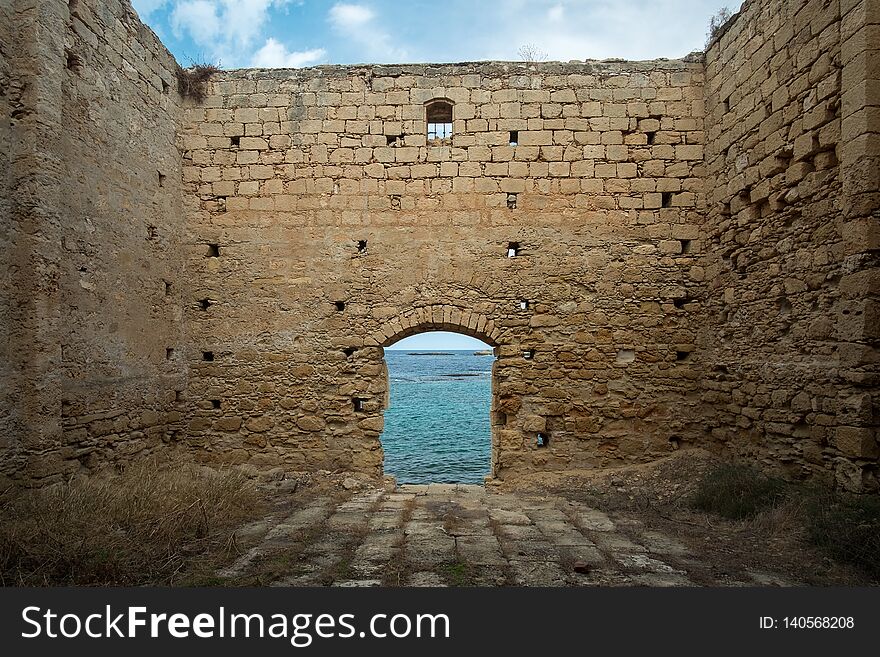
x=442 y=317
x=438 y=317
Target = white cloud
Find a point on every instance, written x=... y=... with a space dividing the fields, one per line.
x=273 y=54
x=596 y=29
x=227 y=29
x=146 y=7
x=357 y=23
x=199 y=18
x=347 y=16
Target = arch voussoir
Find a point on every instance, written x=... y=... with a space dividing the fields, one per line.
x=436 y=317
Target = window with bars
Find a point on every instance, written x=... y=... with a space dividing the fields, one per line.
x=439 y=119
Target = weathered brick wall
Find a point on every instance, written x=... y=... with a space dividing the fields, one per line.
x=788 y=329
x=94 y=235
x=290 y=170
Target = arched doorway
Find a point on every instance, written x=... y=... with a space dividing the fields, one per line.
x=437 y=425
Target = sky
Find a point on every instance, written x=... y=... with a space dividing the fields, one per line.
x=297 y=33
x=437 y=340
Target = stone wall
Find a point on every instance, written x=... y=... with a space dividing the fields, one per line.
x=96 y=223
x=324 y=226
x=10 y=421
x=696 y=246
x=790 y=323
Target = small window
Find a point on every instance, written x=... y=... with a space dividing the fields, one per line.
x=439 y=119
x=514 y=138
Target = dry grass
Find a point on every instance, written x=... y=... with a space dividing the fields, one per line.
x=847 y=527
x=147 y=526
x=192 y=82
x=844 y=526
x=738 y=491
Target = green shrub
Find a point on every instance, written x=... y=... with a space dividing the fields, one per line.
x=847 y=527
x=738 y=491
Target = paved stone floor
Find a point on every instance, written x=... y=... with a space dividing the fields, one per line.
x=453 y=534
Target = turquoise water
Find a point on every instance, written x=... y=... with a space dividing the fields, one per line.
x=437 y=427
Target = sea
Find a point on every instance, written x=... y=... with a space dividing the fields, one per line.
x=437 y=425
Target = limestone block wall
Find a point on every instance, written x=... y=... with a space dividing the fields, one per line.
x=93 y=248
x=790 y=321
x=695 y=248
x=322 y=225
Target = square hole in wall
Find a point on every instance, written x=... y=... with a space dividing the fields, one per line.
x=339 y=305
x=74 y=62
x=161 y=177
x=349 y=351
x=166 y=88
x=208 y=356
x=528 y=354
x=511 y=201
x=681 y=302
x=725 y=104
x=542 y=439
x=512 y=249
x=682 y=355
x=685 y=246
x=394 y=140
x=524 y=304
x=358 y=404
x=626 y=356
x=235 y=141
x=651 y=136
x=204 y=304
x=169 y=353
x=168 y=288
x=213 y=251
x=215 y=403
x=362 y=246
x=514 y=138
x=666 y=199
x=178 y=395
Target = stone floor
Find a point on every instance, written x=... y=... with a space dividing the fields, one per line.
x=453 y=534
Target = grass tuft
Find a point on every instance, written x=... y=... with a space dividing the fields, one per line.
x=847 y=527
x=738 y=491
x=147 y=526
x=192 y=82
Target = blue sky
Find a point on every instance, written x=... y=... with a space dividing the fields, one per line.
x=295 y=33
x=438 y=340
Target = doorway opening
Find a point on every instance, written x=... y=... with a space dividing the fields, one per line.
x=437 y=422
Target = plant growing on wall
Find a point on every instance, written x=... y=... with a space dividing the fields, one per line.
x=192 y=82
x=716 y=23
